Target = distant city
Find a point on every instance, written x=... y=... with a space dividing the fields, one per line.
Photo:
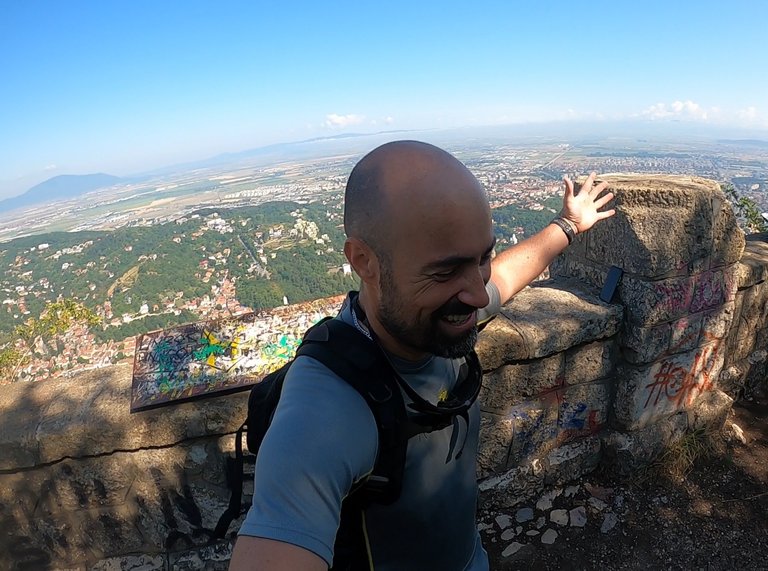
x=249 y=232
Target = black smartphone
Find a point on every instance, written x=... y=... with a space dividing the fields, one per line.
x=611 y=283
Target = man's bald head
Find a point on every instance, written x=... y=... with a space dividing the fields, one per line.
x=397 y=179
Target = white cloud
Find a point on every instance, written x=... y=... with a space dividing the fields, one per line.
x=334 y=121
x=389 y=120
x=690 y=111
x=748 y=114
x=678 y=110
x=50 y=167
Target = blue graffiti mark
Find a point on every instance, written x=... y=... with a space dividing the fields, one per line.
x=574 y=417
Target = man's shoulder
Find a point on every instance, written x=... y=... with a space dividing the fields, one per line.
x=311 y=386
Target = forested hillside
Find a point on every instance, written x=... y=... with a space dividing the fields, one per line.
x=153 y=276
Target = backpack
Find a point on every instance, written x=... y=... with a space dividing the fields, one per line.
x=361 y=363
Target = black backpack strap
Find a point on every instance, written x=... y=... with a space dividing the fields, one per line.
x=362 y=364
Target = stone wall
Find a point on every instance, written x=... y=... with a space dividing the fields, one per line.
x=570 y=381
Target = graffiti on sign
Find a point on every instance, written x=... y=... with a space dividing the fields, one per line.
x=218 y=357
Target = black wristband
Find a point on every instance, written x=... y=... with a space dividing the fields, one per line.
x=565 y=227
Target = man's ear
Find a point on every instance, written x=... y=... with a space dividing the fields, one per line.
x=363 y=260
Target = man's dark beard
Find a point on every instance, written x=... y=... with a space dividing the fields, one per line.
x=430 y=341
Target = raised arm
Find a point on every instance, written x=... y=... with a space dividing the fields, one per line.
x=257 y=554
x=519 y=265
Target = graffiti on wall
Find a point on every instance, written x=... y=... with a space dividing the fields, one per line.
x=578 y=419
x=218 y=357
x=674 y=296
x=713 y=288
x=677 y=382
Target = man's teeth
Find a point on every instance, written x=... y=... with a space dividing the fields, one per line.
x=456 y=319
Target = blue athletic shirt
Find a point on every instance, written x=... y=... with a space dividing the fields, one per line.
x=323 y=439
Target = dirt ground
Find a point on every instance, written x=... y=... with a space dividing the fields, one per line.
x=713 y=517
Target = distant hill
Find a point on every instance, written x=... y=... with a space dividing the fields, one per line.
x=294 y=150
x=744 y=142
x=59 y=187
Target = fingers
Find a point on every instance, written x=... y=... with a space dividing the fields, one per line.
x=568 y=186
x=603 y=200
x=599 y=188
x=587 y=186
x=606 y=214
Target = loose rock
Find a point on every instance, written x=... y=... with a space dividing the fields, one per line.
x=511 y=549
x=549 y=537
x=524 y=514
x=571 y=491
x=578 y=517
x=597 y=504
x=609 y=522
x=503 y=521
x=560 y=517
x=508 y=534
x=598 y=492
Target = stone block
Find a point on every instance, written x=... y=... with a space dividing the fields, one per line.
x=583 y=410
x=555 y=315
x=649 y=393
x=513 y=486
x=684 y=333
x=500 y=342
x=651 y=303
x=716 y=323
x=570 y=461
x=731 y=337
x=567 y=266
x=732 y=378
x=658 y=227
x=534 y=429
x=89 y=416
x=589 y=362
x=511 y=384
x=209 y=558
x=131 y=563
x=645 y=344
x=92 y=484
x=91 y=509
x=106 y=533
x=496 y=433
x=625 y=452
x=755 y=384
x=713 y=288
x=747 y=326
x=752 y=267
x=727 y=238
x=176 y=506
x=710 y=411
x=23 y=551
x=754 y=309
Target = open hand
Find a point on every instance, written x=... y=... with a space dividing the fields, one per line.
x=583 y=209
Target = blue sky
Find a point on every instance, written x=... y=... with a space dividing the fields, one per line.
x=125 y=86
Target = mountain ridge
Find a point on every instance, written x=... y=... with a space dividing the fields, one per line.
x=60 y=187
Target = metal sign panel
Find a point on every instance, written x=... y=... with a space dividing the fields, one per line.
x=211 y=358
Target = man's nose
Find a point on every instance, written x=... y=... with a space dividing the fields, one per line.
x=474 y=293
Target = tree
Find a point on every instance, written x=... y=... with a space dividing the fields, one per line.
x=55 y=319
x=747 y=212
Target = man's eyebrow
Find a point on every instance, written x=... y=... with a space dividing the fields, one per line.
x=452 y=261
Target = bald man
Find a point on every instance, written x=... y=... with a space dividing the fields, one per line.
x=420 y=237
